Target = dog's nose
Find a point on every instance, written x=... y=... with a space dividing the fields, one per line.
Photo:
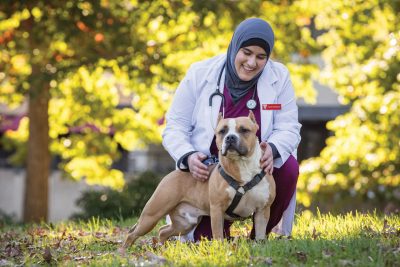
x=231 y=139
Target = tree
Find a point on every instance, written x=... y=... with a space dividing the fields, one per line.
x=362 y=55
x=73 y=60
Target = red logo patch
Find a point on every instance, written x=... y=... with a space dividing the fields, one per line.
x=271 y=106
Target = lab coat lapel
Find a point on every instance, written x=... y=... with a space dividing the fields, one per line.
x=266 y=95
x=212 y=80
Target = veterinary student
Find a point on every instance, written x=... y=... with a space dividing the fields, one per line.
x=243 y=79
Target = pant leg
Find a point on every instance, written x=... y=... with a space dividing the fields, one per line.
x=286 y=180
x=203 y=229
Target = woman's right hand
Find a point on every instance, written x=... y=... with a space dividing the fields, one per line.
x=197 y=168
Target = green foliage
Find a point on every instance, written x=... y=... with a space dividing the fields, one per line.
x=112 y=204
x=320 y=240
x=361 y=162
x=90 y=54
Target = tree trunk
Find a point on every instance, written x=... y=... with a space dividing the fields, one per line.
x=38 y=160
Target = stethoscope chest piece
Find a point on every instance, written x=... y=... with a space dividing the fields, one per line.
x=251 y=104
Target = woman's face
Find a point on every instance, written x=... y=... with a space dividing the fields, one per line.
x=249 y=61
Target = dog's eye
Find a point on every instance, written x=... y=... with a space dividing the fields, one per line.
x=243 y=130
x=222 y=131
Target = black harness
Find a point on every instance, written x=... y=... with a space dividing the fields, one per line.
x=240 y=190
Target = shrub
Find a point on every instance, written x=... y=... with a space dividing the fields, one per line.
x=129 y=202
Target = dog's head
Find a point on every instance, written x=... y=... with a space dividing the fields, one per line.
x=237 y=137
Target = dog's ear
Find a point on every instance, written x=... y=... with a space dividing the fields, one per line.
x=219 y=117
x=252 y=117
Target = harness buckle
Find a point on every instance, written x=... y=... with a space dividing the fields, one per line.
x=241 y=190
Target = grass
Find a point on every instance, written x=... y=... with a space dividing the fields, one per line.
x=318 y=240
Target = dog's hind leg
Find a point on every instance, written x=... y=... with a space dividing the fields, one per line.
x=183 y=219
x=160 y=204
x=179 y=226
x=144 y=225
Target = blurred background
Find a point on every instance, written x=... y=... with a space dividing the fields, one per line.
x=84 y=86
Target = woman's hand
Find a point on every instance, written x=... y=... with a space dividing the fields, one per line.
x=197 y=168
x=267 y=158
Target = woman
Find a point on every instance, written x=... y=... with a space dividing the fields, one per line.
x=248 y=79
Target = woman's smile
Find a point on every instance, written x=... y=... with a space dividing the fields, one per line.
x=249 y=61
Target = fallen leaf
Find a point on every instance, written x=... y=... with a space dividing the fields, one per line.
x=346 y=263
x=262 y=260
x=74 y=249
x=13 y=250
x=41 y=232
x=82 y=233
x=155 y=258
x=315 y=235
x=326 y=253
x=116 y=231
x=234 y=246
x=71 y=237
x=268 y=261
x=83 y=258
x=154 y=241
x=99 y=235
x=301 y=256
x=385 y=224
x=388 y=230
x=6 y=263
x=47 y=255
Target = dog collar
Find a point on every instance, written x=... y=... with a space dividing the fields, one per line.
x=240 y=190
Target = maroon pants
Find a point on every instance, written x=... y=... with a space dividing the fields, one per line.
x=285 y=178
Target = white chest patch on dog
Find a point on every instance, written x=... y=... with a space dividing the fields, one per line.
x=250 y=166
x=253 y=200
x=257 y=197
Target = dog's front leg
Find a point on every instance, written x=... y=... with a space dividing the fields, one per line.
x=261 y=218
x=217 y=222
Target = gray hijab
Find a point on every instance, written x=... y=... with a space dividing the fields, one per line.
x=255 y=29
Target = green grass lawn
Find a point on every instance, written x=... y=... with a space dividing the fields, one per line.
x=318 y=240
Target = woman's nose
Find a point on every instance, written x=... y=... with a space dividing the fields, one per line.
x=251 y=61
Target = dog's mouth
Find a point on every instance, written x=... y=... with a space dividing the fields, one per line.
x=234 y=149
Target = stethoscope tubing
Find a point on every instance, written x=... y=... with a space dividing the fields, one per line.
x=217 y=92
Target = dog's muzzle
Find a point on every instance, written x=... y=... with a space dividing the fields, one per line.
x=232 y=144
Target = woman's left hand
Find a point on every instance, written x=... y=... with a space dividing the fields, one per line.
x=267 y=158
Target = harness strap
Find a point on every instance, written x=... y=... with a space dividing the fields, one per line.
x=240 y=190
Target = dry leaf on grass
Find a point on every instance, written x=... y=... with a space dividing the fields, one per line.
x=301 y=256
x=263 y=260
x=155 y=259
x=315 y=234
x=326 y=253
x=47 y=255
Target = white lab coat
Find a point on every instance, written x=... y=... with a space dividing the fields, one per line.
x=191 y=121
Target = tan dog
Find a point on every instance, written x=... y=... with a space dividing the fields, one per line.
x=186 y=199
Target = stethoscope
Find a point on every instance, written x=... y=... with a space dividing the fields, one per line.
x=250 y=104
